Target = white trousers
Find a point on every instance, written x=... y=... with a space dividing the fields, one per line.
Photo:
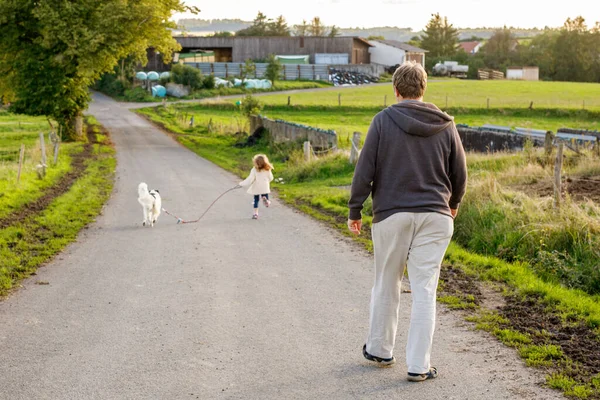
x=419 y=241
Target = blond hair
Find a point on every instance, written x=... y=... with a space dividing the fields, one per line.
x=261 y=162
x=410 y=80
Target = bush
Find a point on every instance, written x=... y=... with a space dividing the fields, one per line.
x=111 y=86
x=274 y=68
x=137 y=94
x=251 y=106
x=209 y=82
x=186 y=75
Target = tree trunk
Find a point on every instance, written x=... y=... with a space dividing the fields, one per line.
x=72 y=129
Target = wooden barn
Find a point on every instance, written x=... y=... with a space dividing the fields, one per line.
x=239 y=49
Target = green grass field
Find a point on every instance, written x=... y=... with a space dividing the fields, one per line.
x=462 y=93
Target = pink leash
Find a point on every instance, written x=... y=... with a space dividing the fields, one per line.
x=182 y=221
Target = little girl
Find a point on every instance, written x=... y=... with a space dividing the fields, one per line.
x=258 y=180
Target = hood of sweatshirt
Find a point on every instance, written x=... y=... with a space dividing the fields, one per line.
x=418 y=118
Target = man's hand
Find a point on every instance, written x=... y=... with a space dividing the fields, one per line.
x=454 y=211
x=355 y=226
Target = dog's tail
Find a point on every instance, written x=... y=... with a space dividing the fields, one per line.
x=142 y=189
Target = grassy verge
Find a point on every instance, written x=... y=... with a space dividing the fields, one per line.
x=14 y=131
x=497 y=220
x=27 y=244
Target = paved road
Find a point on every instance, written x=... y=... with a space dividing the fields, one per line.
x=237 y=309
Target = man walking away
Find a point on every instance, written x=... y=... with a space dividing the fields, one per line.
x=413 y=164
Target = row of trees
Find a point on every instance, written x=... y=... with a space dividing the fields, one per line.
x=52 y=52
x=569 y=53
x=264 y=26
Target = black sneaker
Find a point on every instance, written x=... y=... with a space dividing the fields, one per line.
x=432 y=374
x=384 y=362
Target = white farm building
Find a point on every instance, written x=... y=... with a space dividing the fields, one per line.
x=393 y=52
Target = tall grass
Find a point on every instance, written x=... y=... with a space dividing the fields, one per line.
x=561 y=245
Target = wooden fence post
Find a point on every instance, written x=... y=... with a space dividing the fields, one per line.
x=55 y=140
x=21 y=156
x=488 y=103
x=598 y=146
x=385 y=100
x=354 y=152
x=43 y=146
x=548 y=147
x=289 y=100
x=339 y=99
x=557 y=176
x=307 y=151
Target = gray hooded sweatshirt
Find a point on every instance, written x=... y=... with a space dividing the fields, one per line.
x=412 y=161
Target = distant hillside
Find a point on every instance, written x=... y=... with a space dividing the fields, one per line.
x=214 y=25
x=204 y=26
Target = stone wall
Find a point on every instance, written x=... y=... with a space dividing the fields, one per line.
x=282 y=131
x=490 y=141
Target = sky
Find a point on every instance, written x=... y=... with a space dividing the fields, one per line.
x=406 y=13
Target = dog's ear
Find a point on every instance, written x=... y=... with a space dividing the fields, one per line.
x=156 y=190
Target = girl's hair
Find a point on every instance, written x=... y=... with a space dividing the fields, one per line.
x=261 y=162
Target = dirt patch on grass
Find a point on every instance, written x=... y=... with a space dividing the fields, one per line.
x=579 y=189
x=578 y=342
x=78 y=167
x=455 y=282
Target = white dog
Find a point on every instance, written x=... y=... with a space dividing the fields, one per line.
x=151 y=204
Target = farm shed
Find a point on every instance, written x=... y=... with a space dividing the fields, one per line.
x=393 y=52
x=240 y=49
x=523 y=73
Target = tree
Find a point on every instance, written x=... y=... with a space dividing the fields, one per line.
x=334 y=31
x=249 y=69
x=500 y=50
x=375 y=37
x=440 y=37
x=274 y=69
x=316 y=27
x=301 y=30
x=263 y=26
x=52 y=51
x=222 y=34
x=415 y=41
x=186 y=75
x=279 y=27
x=539 y=52
x=259 y=27
x=574 y=55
